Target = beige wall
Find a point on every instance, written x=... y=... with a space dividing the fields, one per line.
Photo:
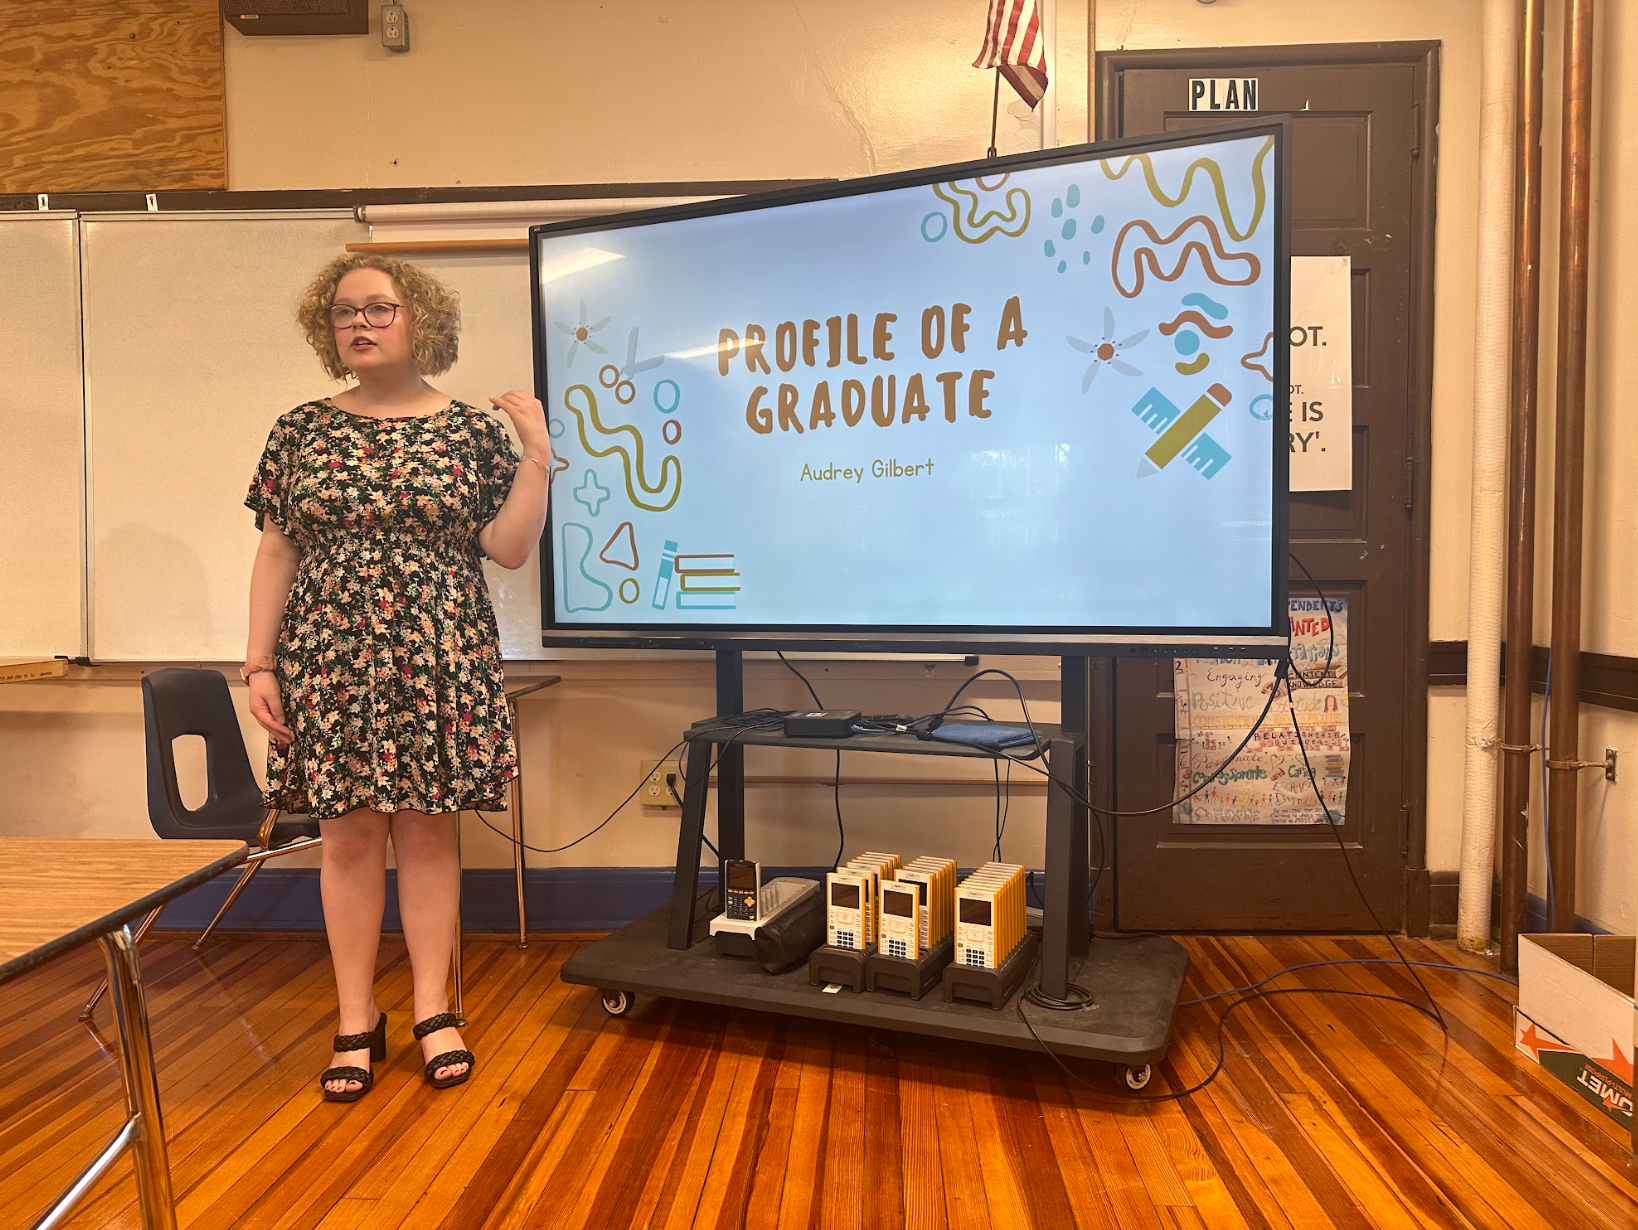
x=525 y=91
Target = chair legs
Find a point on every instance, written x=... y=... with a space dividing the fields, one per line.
x=245 y=877
x=102 y=987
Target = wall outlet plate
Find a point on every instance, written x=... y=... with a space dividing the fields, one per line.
x=655 y=792
x=394 y=27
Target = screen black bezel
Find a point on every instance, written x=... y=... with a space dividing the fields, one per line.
x=953 y=638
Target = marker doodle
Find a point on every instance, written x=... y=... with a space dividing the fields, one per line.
x=631 y=459
x=1149 y=254
x=1215 y=174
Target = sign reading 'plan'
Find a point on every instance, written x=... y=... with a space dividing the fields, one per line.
x=1222 y=93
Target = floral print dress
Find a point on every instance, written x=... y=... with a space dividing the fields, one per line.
x=388 y=657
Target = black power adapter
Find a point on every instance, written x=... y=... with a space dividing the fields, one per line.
x=821 y=724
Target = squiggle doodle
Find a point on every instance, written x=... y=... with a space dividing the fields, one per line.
x=585 y=593
x=632 y=459
x=1215 y=174
x=1012 y=222
x=1199 y=322
x=1206 y=304
x=1247 y=363
x=1144 y=254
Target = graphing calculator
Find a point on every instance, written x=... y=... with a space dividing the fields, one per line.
x=742 y=888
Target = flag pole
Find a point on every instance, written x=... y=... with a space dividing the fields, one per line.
x=995 y=111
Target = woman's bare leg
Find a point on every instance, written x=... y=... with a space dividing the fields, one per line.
x=353 y=883
x=429 y=894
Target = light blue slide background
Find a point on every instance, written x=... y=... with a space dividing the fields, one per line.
x=1036 y=516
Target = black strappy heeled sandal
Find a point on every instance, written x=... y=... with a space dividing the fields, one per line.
x=444 y=1020
x=376 y=1040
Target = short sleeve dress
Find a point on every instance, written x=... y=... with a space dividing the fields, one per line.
x=388 y=656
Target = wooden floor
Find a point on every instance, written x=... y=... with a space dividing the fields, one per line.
x=1330 y=1111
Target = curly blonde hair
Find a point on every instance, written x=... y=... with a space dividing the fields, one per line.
x=434 y=312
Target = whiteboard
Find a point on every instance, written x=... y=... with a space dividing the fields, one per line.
x=42 y=481
x=191 y=353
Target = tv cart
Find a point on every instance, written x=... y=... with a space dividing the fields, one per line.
x=1133 y=983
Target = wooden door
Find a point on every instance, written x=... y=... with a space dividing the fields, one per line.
x=1362 y=166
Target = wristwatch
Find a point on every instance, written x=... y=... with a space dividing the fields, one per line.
x=263 y=663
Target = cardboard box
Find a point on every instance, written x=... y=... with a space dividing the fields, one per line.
x=1576 y=1015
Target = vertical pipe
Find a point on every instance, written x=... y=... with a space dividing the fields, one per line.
x=1569 y=463
x=1490 y=365
x=1521 y=470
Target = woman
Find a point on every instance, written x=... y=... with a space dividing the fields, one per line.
x=373 y=660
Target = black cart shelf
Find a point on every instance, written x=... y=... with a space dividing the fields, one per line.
x=1133 y=983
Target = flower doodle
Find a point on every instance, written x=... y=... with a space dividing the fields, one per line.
x=1107 y=350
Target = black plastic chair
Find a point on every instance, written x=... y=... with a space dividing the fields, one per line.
x=177 y=702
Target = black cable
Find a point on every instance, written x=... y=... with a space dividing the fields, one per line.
x=1348 y=863
x=1291 y=969
x=817 y=703
x=995 y=850
x=1222 y=1047
x=1330 y=627
x=584 y=836
x=711 y=844
x=836 y=783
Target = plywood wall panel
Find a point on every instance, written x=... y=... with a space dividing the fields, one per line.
x=107 y=95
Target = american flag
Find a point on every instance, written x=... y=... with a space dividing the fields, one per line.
x=1013 y=43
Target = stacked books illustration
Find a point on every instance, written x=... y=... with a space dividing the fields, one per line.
x=707 y=582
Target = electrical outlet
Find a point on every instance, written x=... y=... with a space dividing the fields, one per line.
x=394 y=27
x=655 y=792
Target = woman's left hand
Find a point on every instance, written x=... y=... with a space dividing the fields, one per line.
x=528 y=420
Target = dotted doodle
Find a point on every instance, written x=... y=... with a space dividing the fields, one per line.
x=971 y=226
x=1068 y=228
x=1150 y=254
x=587 y=422
x=1215 y=174
x=584 y=592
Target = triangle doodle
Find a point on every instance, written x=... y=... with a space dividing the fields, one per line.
x=624 y=552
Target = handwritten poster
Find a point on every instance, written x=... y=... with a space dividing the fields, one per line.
x=1322 y=374
x=1219 y=699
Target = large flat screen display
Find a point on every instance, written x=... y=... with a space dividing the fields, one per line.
x=1018 y=405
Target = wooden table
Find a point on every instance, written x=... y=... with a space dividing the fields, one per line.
x=58 y=894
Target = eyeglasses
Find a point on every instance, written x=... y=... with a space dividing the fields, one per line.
x=376 y=315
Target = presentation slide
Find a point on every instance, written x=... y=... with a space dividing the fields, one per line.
x=1036 y=400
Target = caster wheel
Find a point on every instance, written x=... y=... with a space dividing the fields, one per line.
x=1136 y=1078
x=616 y=1003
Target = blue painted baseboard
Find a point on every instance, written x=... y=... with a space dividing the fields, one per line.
x=556 y=898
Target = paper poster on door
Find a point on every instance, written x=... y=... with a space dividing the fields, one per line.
x=1219 y=699
x=1322 y=374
